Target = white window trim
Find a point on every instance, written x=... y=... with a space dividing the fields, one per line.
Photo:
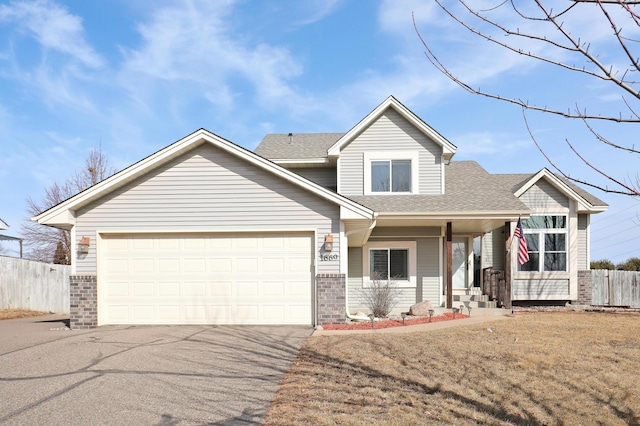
x=541 y=250
x=391 y=155
x=412 y=258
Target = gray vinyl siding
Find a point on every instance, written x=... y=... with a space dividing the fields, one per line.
x=498 y=249
x=323 y=176
x=543 y=196
x=427 y=270
x=583 y=242
x=209 y=190
x=391 y=132
x=546 y=289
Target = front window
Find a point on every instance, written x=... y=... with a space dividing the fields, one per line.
x=547 y=243
x=389 y=264
x=393 y=261
x=391 y=176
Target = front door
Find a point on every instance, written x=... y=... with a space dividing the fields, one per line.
x=460 y=262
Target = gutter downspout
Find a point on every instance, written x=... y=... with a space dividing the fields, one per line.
x=346 y=290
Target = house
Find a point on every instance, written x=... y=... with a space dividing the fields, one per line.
x=205 y=231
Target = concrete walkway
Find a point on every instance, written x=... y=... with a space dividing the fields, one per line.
x=417 y=327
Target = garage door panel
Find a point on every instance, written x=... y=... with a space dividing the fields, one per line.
x=170 y=313
x=143 y=289
x=220 y=289
x=205 y=279
x=245 y=266
x=169 y=289
x=117 y=266
x=142 y=244
x=167 y=266
x=273 y=288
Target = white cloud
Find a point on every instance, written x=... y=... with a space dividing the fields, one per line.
x=53 y=27
x=194 y=43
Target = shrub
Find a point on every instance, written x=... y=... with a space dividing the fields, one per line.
x=632 y=264
x=602 y=264
x=381 y=296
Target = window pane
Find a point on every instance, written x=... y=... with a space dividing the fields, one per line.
x=399 y=264
x=379 y=264
x=545 y=222
x=380 y=176
x=555 y=262
x=555 y=242
x=532 y=265
x=532 y=242
x=401 y=175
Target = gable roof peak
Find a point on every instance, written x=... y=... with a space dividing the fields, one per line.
x=448 y=149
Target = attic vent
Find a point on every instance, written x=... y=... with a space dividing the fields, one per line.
x=290 y=138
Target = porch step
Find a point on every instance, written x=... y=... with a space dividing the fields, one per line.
x=470 y=297
x=474 y=304
x=480 y=312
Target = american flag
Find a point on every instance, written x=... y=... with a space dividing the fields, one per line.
x=523 y=253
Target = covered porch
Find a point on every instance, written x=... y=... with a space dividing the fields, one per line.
x=461 y=261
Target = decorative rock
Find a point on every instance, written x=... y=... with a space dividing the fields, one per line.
x=420 y=308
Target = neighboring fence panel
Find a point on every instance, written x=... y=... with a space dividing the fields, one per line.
x=37 y=286
x=615 y=288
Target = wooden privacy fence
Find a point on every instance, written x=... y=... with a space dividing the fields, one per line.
x=37 y=286
x=615 y=288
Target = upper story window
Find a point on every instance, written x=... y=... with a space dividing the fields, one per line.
x=390 y=173
x=547 y=243
x=391 y=176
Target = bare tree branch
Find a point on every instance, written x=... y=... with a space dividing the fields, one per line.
x=550 y=30
x=629 y=190
x=42 y=241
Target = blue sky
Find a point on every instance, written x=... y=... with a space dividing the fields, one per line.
x=133 y=77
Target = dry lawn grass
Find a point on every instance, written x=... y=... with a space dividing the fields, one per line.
x=561 y=368
x=19 y=313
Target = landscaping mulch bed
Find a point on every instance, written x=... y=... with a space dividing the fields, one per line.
x=366 y=325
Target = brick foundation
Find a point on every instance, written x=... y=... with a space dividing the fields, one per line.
x=83 y=295
x=584 y=288
x=331 y=290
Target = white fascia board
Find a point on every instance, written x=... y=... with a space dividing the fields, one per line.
x=583 y=204
x=301 y=162
x=448 y=148
x=510 y=215
x=64 y=219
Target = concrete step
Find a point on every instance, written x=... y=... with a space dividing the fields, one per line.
x=478 y=312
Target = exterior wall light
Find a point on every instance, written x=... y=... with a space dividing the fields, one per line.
x=328 y=242
x=83 y=245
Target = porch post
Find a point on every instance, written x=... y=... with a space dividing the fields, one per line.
x=507 y=267
x=449 y=266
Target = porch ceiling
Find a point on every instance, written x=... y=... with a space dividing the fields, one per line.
x=459 y=225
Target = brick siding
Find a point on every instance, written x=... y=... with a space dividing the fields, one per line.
x=83 y=295
x=584 y=288
x=331 y=298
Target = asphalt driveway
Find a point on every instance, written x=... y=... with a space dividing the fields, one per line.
x=143 y=375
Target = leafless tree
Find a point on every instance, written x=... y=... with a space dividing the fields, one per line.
x=545 y=34
x=51 y=244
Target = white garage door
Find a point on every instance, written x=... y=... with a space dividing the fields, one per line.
x=205 y=279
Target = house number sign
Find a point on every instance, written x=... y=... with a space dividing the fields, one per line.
x=329 y=257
